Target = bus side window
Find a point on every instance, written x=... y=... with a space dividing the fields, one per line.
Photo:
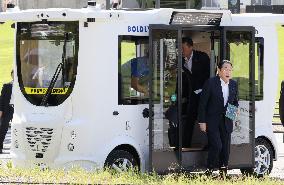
x=259 y=69
x=133 y=70
x=238 y=46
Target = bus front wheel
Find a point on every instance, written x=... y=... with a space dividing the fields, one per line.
x=120 y=161
x=263 y=159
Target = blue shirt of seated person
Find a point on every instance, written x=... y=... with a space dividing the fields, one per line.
x=139 y=72
x=139 y=67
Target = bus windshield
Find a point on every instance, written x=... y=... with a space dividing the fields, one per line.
x=47 y=56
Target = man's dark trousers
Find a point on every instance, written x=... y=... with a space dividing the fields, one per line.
x=3 y=130
x=7 y=111
x=189 y=121
x=199 y=73
x=219 y=144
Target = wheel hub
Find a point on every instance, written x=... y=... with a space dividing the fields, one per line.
x=262 y=159
x=122 y=164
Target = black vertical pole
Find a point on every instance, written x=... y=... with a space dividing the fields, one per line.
x=157 y=4
x=223 y=44
x=179 y=97
x=143 y=5
x=252 y=87
x=107 y=4
x=151 y=99
x=212 y=60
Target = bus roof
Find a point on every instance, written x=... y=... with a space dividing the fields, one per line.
x=159 y=16
x=150 y=16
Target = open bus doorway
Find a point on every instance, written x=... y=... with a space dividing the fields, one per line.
x=166 y=132
x=205 y=56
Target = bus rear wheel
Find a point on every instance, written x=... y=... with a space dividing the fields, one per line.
x=263 y=159
x=121 y=161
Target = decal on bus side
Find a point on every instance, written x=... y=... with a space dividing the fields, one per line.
x=138 y=29
x=30 y=90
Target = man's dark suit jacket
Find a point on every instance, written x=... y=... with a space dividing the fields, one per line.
x=211 y=105
x=5 y=100
x=194 y=80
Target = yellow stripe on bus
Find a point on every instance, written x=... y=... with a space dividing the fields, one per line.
x=30 y=90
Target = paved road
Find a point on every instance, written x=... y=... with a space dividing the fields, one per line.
x=277 y=172
x=278 y=168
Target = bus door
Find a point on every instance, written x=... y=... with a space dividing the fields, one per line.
x=168 y=107
x=164 y=149
x=239 y=48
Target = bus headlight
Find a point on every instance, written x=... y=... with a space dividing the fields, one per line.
x=70 y=147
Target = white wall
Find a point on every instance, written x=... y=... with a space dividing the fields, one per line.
x=245 y=2
x=223 y=4
x=129 y=4
x=273 y=2
x=30 y=4
x=277 y=2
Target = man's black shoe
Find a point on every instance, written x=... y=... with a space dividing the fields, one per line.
x=208 y=172
x=223 y=172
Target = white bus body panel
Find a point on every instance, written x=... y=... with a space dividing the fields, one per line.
x=86 y=118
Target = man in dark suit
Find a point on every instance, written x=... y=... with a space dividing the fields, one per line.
x=196 y=70
x=6 y=110
x=217 y=93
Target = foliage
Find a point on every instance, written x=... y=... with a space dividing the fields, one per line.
x=280 y=31
x=80 y=176
x=6 y=52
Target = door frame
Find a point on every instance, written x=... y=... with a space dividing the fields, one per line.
x=151 y=104
x=223 y=55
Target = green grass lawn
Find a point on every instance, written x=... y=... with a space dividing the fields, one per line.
x=281 y=56
x=128 y=51
x=280 y=30
x=79 y=176
x=6 y=52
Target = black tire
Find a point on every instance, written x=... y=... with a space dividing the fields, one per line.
x=263 y=164
x=120 y=160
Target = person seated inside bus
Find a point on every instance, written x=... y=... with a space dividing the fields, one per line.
x=139 y=74
x=137 y=71
x=196 y=70
x=134 y=72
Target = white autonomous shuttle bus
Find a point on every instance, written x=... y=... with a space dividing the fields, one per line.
x=74 y=103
